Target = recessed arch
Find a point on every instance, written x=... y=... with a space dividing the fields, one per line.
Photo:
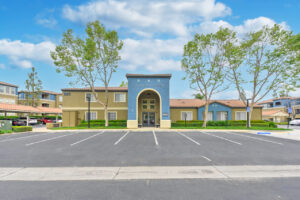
x=160 y=102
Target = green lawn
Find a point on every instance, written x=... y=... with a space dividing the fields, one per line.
x=233 y=128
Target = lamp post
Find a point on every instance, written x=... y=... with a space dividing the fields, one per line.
x=89 y=110
x=248 y=113
x=289 y=111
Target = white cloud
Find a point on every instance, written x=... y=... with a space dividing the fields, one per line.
x=47 y=22
x=2 y=66
x=248 y=25
x=295 y=93
x=188 y=94
x=22 y=54
x=152 y=54
x=168 y=16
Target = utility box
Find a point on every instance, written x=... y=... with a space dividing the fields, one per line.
x=5 y=125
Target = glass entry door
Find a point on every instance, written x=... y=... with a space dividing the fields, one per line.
x=148 y=119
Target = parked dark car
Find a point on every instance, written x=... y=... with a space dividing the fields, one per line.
x=31 y=120
x=17 y=122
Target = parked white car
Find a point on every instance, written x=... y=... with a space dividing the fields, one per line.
x=295 y=122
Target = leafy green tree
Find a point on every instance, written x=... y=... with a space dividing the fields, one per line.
x=198 y=96
x=262 y=63
x=205 y=65
x=90 y=60
x=124 y=84
x=33 y=87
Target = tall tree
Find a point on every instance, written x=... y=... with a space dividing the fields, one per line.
x=205 y=65
x=90 y=60
x=262 y=62
x=33 y=87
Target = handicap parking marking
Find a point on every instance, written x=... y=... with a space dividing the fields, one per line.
x=49 y=139
x=121 y=138
x=222 y=138
x=155 y=138
x=255 y=138
x=87 y=138
x=187 y=137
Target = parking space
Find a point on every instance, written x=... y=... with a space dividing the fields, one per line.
x=145 y=148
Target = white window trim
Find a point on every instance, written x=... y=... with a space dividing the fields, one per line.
x=240 y=112
x=119 y=93
x=113 y=112
x=91 y=112
x=91 y=99
x=186 y=112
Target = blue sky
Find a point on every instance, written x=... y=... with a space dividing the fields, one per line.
x=153 y=32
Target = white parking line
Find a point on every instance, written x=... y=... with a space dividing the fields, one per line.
x=121 y=138
x=206 y=158
x=29 y=144
x=187 y=137
x=86 y=138
x=24 y=137
x=222 y=138
x=155 y=139
x=255 y=138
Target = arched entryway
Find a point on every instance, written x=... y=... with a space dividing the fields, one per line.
x=149 y=108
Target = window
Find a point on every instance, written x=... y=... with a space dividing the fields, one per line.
x=144 y=104
x=91 y=96
x=209 y=116
x=240 y=115
x=277 y=103
x=152 y=104
x=297 y=111
x=221 y=116
x=93 y=115
x=46 y=105
x=1 y=89
x=67 y=94
x=7 y=90
x=120 y=97
x=188 y=115
x=60 y=98
x=13 y=91
x=112 y=115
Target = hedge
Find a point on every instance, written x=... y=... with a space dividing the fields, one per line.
x=5 y=131
x=199 y=123
x=22 y=128
x=95 y=123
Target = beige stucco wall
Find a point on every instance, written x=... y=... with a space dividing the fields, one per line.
x=52 y=104
x=256 y=113
x=7 y=96
x=175 y=113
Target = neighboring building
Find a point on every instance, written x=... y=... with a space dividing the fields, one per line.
x=277 y=109
x=47 y=99
x=8 y=95
x=146 y=102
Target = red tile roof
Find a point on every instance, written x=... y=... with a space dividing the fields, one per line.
x=42 y=91
x=196 y=103
x=271 y=100
x=96 y=89
x=8 y=84
x=273 y=112
x=149 y=75
x=28 y=109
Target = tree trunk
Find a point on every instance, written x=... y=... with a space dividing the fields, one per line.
x=106 y=115
x=205 y=114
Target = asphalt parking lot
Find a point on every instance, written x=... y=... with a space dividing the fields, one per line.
x=137 y=158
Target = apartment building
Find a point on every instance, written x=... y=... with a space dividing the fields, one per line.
x=47 y=99
x=277 y=109
x=145 y=103
x=8 y=95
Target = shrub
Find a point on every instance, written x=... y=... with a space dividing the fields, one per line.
x=22 y=128
x=5 y=131
x=272 y=124
x=95 y=123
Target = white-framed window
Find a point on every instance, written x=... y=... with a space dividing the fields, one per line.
x=120 y=97
x=1 y=89
x=93 y=115
x=13 y=90
x=240 y=115
x=67 y=94
x=60 y=98
x=144 y=104
x=209 y=116
x=112 y=115
x=221 y=116
x=91 y=96
x=188 y=115
x=7 y=90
